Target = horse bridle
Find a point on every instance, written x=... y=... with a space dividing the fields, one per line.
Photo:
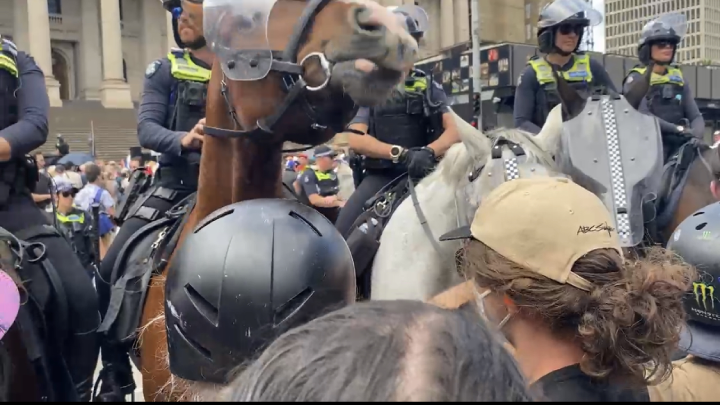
x=293 y=84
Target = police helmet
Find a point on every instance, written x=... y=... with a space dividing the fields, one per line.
x=410 y=24
x=246 y=274
x=547 y=29
x=669 y=27
x=174 y=7
x=697 y=241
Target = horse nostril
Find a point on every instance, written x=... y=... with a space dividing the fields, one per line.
x=365 y=22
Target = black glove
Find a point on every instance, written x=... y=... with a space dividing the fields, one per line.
x=419 y=161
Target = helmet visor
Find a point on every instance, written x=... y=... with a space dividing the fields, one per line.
x=673 y=23
x=422 y=21
x=561 y=10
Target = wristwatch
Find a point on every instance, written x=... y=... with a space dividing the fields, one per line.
x=396 y=153
x=680 y=129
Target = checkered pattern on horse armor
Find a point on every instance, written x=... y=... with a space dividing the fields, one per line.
x=617 y=177
x=511 y=169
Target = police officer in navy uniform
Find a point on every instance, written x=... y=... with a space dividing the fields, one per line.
x=560 y=31
x=24 y=128
x=668 y=98
x=170 y=121
x=74 y=223
x=319 y=187
x=407 y=134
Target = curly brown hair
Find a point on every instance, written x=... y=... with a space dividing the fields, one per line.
x=628 y=325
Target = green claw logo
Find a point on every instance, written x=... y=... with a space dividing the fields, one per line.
x=704 y=291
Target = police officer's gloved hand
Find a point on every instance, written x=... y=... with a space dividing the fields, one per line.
x=419 y=161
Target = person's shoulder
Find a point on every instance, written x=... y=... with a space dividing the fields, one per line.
x=26 y=63
x=157 y=68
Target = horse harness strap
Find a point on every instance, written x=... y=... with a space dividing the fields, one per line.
x=423 y=220
x=293 y=82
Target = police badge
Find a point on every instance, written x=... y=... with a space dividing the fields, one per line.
x=152 y=68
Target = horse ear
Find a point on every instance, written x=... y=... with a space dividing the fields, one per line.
x=549 y=137
x=639 y=88
x=477 y=143
x=572 y=102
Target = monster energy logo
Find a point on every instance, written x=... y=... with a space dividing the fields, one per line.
x=705 y=235
x=704 y=291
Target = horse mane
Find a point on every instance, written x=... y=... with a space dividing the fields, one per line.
x=464 y=157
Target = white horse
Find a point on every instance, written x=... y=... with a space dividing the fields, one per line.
x=407 y=265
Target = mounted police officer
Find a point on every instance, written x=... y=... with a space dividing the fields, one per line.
x=407 y=134
x=319 y=187
x=560 y=31
x=695 y=378
x=170 y=122
x=23 y=128
x=668 y=99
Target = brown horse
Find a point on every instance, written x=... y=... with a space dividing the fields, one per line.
x=248 y=121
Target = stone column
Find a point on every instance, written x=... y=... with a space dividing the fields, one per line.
x=38 y=45
x=152 y=32
x=462 y=21
x=447 y=30
x=170 y=36
x=114 y=92
x=20 y=26
x=90 y=49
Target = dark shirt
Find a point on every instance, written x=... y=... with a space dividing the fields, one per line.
x=31 y=130
x=437 y=96
x=528 y=92
x=42 y=188
x=570 y=384
x=688 y=104
x=156 y=108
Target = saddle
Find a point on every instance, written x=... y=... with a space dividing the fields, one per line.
x=364 y=240
x=144 y=255
x=44 y=317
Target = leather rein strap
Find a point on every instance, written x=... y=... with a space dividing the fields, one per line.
x=293 y=82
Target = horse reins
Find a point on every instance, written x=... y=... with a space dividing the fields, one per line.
x=293 y=84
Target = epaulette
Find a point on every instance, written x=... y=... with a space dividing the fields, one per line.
x=9 y=46
x=177 y=51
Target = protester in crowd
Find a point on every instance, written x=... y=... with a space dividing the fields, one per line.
x=585 y=324
x=384 y=351
x=42 y=195
x=94 y=192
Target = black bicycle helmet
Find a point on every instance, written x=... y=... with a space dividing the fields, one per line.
x=697 y=241
x=246 y=274
x=669 y=27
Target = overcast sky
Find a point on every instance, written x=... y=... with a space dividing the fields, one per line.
x=599 y=33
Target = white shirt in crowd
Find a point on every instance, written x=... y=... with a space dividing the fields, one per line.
x=86 y=196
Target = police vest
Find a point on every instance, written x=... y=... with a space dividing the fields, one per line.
x=579 y=77
x=665 y=97
x=402 y=121
x=191 y=92
x=328 y=183
x=75 y=227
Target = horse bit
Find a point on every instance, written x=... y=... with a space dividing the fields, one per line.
x=293 y=83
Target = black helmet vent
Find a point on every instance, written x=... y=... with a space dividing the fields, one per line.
x=701 y=226
x=305 y=221
x=203 y=306
x=212 y=219
x=195 y=345
x=288 y=308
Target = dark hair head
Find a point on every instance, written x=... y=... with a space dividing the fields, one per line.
x=92 y=172
x=384 y=351
x=628 y=325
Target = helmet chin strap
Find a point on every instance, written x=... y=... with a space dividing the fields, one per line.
x=197 y=44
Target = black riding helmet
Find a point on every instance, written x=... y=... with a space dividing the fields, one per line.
x=246 y=274
x=547 y=29
x=697 y=241
x=411 y=25
x=653 y=32
x=174 y=7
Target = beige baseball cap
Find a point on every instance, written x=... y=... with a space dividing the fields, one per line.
x=543 y=224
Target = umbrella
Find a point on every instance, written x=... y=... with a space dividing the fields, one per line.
x=77 y=158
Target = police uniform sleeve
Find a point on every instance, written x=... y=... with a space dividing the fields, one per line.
x=439 y=98
x=155 y=109
x=31 y=130
x=692 y=113
x=309 y=182
x=362 y=116
x=601 y=76
x=524 y=106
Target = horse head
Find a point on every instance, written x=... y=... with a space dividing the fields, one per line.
x=296 y=70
